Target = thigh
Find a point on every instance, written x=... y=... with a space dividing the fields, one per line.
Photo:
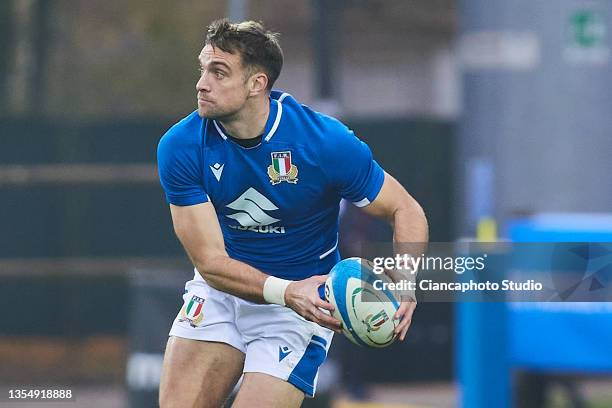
x=282 y=344
x=277 y=393
x=198 y=373
x=207 y=314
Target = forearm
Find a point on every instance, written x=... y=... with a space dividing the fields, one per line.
x=410 y=225
x=198 y=230
x=410 y=236
x=234 y=277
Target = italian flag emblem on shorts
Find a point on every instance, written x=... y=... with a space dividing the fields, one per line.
x=192 y=311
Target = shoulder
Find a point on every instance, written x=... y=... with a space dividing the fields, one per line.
x=321 y=130
x=183 y=134
x=179 y=153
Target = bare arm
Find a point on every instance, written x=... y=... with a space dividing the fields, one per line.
x=401 y=211
x=198 y=229
x=409 y=224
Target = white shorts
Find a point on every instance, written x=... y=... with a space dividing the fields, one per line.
x=276 y=340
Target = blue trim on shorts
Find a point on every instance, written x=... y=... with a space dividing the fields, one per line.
x=319 y=339
x=304 y=373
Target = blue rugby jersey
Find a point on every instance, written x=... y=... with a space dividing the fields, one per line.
x=277 y=202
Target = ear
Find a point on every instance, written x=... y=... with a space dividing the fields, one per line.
x=258 y=83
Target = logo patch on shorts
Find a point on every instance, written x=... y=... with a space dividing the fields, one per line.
x=283 y=351
x=192 y=311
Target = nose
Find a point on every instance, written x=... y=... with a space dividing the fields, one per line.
x=202 y=85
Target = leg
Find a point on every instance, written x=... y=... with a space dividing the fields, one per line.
x=276 y=393
x=198 y=374
x=283 y=355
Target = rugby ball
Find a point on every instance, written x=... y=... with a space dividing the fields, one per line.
x=366 y=313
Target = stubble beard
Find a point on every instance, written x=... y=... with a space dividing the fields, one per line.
x=220 y=114
x=212 y=113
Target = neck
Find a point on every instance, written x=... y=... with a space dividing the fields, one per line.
x=251 y=121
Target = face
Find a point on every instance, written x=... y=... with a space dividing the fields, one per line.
x=223 y=87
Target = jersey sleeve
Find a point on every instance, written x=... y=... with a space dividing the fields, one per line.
x=351 y=168
x=180 y=169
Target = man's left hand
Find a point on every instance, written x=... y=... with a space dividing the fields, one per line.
x=404 y=312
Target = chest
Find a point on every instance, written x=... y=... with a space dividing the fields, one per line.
x=264 y=184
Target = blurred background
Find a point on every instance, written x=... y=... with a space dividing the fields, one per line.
x=487 y=111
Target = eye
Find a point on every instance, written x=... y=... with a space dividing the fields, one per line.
x=220 y=74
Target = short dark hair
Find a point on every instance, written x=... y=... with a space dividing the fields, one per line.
x=258 y=47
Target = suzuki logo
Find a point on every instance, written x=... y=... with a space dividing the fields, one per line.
x=252 y=215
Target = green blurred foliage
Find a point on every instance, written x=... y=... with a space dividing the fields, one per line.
x=116 y=58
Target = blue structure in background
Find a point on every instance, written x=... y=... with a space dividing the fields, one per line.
x=494 y=338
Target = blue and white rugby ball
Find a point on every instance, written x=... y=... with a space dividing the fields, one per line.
x=366 y=313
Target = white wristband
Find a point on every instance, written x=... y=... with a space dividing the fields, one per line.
x=274 y=290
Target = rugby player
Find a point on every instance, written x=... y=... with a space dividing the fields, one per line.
x=254 y=180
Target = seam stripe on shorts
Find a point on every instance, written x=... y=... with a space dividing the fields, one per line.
x=304 y=373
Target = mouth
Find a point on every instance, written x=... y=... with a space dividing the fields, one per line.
x=202 y=101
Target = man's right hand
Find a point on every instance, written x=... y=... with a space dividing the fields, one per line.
x=303 y=297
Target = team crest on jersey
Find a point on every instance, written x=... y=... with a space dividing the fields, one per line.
x=192 y=311
x=282 y=169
